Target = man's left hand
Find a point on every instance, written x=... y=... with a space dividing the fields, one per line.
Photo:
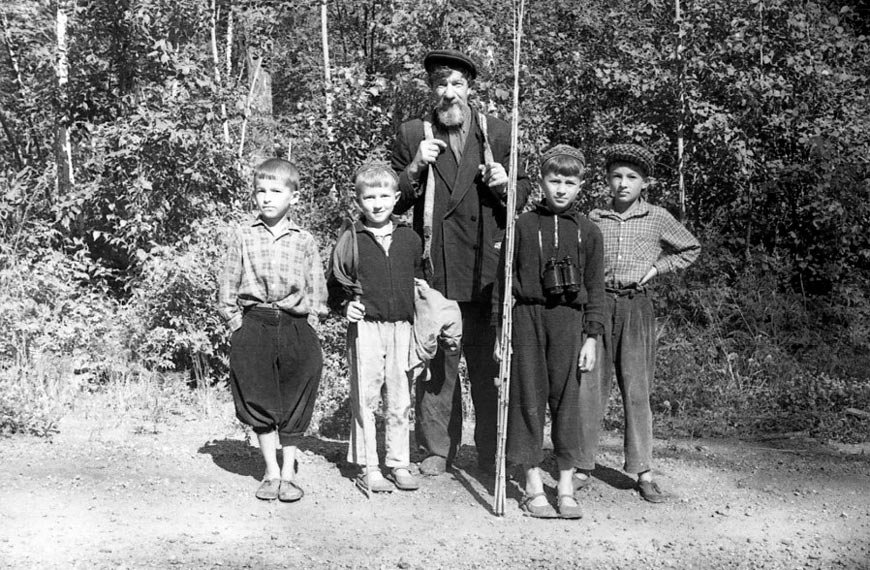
x=495 y=176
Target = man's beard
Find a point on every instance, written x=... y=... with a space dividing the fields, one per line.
x=451 y=116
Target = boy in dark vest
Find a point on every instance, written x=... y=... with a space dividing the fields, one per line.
x=371 y=282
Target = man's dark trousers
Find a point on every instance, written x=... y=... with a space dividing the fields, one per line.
x=439 y=400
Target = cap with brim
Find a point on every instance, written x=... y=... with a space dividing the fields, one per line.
x=451 y=58
x=563 y=150
x=632 y=154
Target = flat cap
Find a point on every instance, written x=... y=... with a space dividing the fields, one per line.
x=451 y=58
x=632 y=154
x=563 y=150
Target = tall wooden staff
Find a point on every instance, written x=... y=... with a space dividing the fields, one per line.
x=504 y=373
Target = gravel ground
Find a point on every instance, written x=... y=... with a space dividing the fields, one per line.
x=123 y=493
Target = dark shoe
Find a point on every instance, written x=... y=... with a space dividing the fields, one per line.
x=433 y=465
x=539 y=512
x=268 y=489
x=290 y=492
x=581 y=482
x=650 y=491
x=403 y=480
x=376 y=485
x=569 y=511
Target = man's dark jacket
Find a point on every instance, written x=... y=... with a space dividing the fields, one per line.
x=469 y=219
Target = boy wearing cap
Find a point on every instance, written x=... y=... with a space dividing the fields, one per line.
x=558 y=290
x=454 y=160
x=271 y=282
x=371 y=282
x=640 y=242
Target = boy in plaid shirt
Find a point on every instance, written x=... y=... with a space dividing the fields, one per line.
x=272 y=281
x=640 y=242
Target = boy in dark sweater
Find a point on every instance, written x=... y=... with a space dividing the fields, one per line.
x=558 y=289
x=371 y=282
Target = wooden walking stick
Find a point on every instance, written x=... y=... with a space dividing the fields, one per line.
x=362 y=402
x=504 y=374
x=345 y=269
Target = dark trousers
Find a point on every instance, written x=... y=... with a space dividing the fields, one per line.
x=275 y=367
x=629 y=350
x=546 y=348
x=438 y=427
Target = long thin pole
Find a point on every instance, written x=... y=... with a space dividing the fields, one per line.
x=327 y=74
x=681 y=124
x=504 y=373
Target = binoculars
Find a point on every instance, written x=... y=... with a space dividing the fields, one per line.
x=560 y=277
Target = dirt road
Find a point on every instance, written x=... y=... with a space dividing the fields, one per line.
x=104 y=495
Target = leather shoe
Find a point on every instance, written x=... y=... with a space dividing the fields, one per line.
x=289 y=492
x=433 y=465
x=581 y=482
x=403 y=480
x=650 y=491
x=268 y=489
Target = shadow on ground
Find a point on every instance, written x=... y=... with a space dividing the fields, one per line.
x=235 y=456
x=240 y=457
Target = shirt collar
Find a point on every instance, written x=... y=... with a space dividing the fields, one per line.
x=636 y=210
x=379 y=232
x=289 y=226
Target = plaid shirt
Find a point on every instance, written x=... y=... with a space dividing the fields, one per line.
x=642 y=237
x=281 y=270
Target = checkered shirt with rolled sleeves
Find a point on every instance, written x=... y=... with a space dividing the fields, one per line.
x=280 y=269
x=642 y=237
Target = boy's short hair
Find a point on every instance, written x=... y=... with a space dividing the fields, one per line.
x=631 y=154
x=563 y=160
x=375 y=173
x=278 y=169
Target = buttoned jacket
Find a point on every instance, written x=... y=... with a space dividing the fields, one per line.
x=468 y=218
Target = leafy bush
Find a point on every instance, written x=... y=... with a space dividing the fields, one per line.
x=740 y=353
x=58 y=336
x=173 y=305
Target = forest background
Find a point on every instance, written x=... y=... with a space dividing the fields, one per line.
x=129 y=128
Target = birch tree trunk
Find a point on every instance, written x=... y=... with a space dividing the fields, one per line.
x=217 y=69
x=63 y=153
x=327 y=74
x=258 y=119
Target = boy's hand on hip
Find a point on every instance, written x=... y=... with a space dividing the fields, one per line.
x=586 y=361
x=355 y=311
x=649 y=275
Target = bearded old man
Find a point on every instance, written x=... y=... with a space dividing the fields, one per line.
x=467 y=217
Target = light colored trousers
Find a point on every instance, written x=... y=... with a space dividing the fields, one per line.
x=377 y=355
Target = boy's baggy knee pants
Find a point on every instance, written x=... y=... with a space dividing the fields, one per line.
x=275 y=367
